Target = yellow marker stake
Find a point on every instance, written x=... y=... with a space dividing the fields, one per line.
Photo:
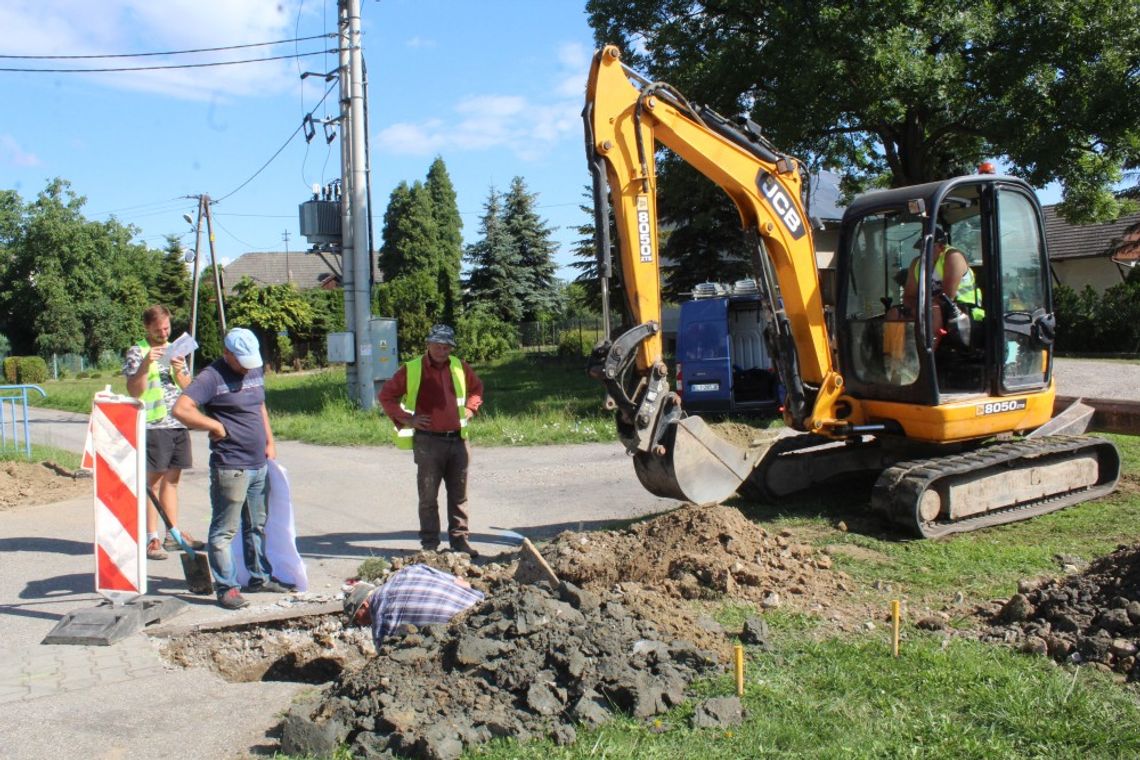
x=895 y=627
x=739 y=656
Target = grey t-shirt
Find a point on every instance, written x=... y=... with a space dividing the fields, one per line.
x=235 y=401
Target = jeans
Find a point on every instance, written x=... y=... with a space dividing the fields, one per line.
x=234 y=494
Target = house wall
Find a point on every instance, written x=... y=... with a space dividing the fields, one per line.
x=1100 y=272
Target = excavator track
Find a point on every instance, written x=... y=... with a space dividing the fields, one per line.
x=999 y=483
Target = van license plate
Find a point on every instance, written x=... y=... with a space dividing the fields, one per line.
x=698 y=387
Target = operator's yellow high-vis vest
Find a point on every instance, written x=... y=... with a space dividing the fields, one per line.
x=153 y=400
x=408 y=403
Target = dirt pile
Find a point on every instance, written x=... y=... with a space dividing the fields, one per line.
x=33 y=483
x=697 y=553
x=529 y=661
x=1088 y=617
x=621 y=632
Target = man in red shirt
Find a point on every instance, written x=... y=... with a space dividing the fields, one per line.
x=429 y=400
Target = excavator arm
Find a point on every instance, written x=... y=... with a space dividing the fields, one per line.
x=626 y=117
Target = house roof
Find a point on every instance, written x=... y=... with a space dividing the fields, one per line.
x=1119 y=239
x=306 y=270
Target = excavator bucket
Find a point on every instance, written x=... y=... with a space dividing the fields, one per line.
x=698 y=465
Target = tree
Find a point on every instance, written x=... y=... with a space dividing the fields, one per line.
x=409 y=234
x=904 y=92
x=408 y=297
x=495 y=280
x=172 y=287
x=69 y=285
x=270 y=311
x=449 y=239
x=534 y=251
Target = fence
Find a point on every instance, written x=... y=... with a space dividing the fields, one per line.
x=547 y=335
x=15 y=431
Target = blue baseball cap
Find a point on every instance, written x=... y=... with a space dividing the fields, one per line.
x=243 y=344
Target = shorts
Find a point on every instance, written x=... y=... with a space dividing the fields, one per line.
x=168 y=448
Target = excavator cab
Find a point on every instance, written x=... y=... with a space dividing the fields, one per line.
x=931 y=348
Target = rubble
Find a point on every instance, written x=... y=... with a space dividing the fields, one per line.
x=530 y=661
x=1091 y=616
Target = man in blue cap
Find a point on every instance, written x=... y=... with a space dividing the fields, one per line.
x=429 y=400
x=227 y=399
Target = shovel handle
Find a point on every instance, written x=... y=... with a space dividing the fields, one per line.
x=186 y=547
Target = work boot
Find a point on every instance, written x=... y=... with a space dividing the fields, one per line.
x=232 y=599
x=154 y=550
x=460 y=545
x=424 y=547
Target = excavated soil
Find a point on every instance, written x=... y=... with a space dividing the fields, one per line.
x=1090 y=616
x=624 y=630
x=24 y=484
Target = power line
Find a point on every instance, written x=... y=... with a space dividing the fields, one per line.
x=283 y=146
x=169 y=52
x=171 y=66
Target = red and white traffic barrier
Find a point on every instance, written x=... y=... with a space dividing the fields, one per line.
x=118 y=430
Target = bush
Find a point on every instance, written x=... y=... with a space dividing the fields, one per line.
x=33 y=370
x=574 y=345
x=12 y=369
x=483 y=336
x=1091 y=323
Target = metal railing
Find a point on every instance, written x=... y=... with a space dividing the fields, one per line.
x=14 y=417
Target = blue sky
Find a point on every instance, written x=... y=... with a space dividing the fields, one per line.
x=494 y=87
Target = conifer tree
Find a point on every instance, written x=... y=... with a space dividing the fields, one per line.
x=534 y=251
x=495 y=282
x=449 y=240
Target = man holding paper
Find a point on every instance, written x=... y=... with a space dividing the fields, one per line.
x=156 y=373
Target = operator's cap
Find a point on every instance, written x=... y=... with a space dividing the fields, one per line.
x=442 y=334
x=243 y=344
x=356 y=597
x=939 y=237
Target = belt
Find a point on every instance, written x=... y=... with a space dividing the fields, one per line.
x=439 y=434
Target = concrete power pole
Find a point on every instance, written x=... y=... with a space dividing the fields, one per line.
x=356 y=261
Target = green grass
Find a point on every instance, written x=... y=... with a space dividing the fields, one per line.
x=530 y=399
x=63 y=458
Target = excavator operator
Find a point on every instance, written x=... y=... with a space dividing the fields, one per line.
x=952 y=284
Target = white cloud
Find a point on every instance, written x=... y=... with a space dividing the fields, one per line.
x=418 y=42
x=11 y=153
x=527 y=128
x=80 y=27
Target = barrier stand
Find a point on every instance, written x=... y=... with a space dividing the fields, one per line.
x=118 y=437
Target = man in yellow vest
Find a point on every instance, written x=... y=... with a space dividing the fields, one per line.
x=952 y=276
x=158 y=383
x=429 y=400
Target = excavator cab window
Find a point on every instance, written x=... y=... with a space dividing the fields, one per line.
x=880 y=331
x=1026 y=316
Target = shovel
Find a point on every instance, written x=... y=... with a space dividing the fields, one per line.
x=194 y=565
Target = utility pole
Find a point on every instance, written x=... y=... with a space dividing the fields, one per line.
x=288 y=268
x=356 y=261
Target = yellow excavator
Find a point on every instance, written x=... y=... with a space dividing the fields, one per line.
x=950 y=402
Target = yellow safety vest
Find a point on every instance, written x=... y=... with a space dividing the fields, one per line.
x=154 y=402
x=415 y=369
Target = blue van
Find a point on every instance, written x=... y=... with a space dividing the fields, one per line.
x=723 y=364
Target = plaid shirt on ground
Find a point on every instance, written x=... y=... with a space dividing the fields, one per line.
x=419 y=595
